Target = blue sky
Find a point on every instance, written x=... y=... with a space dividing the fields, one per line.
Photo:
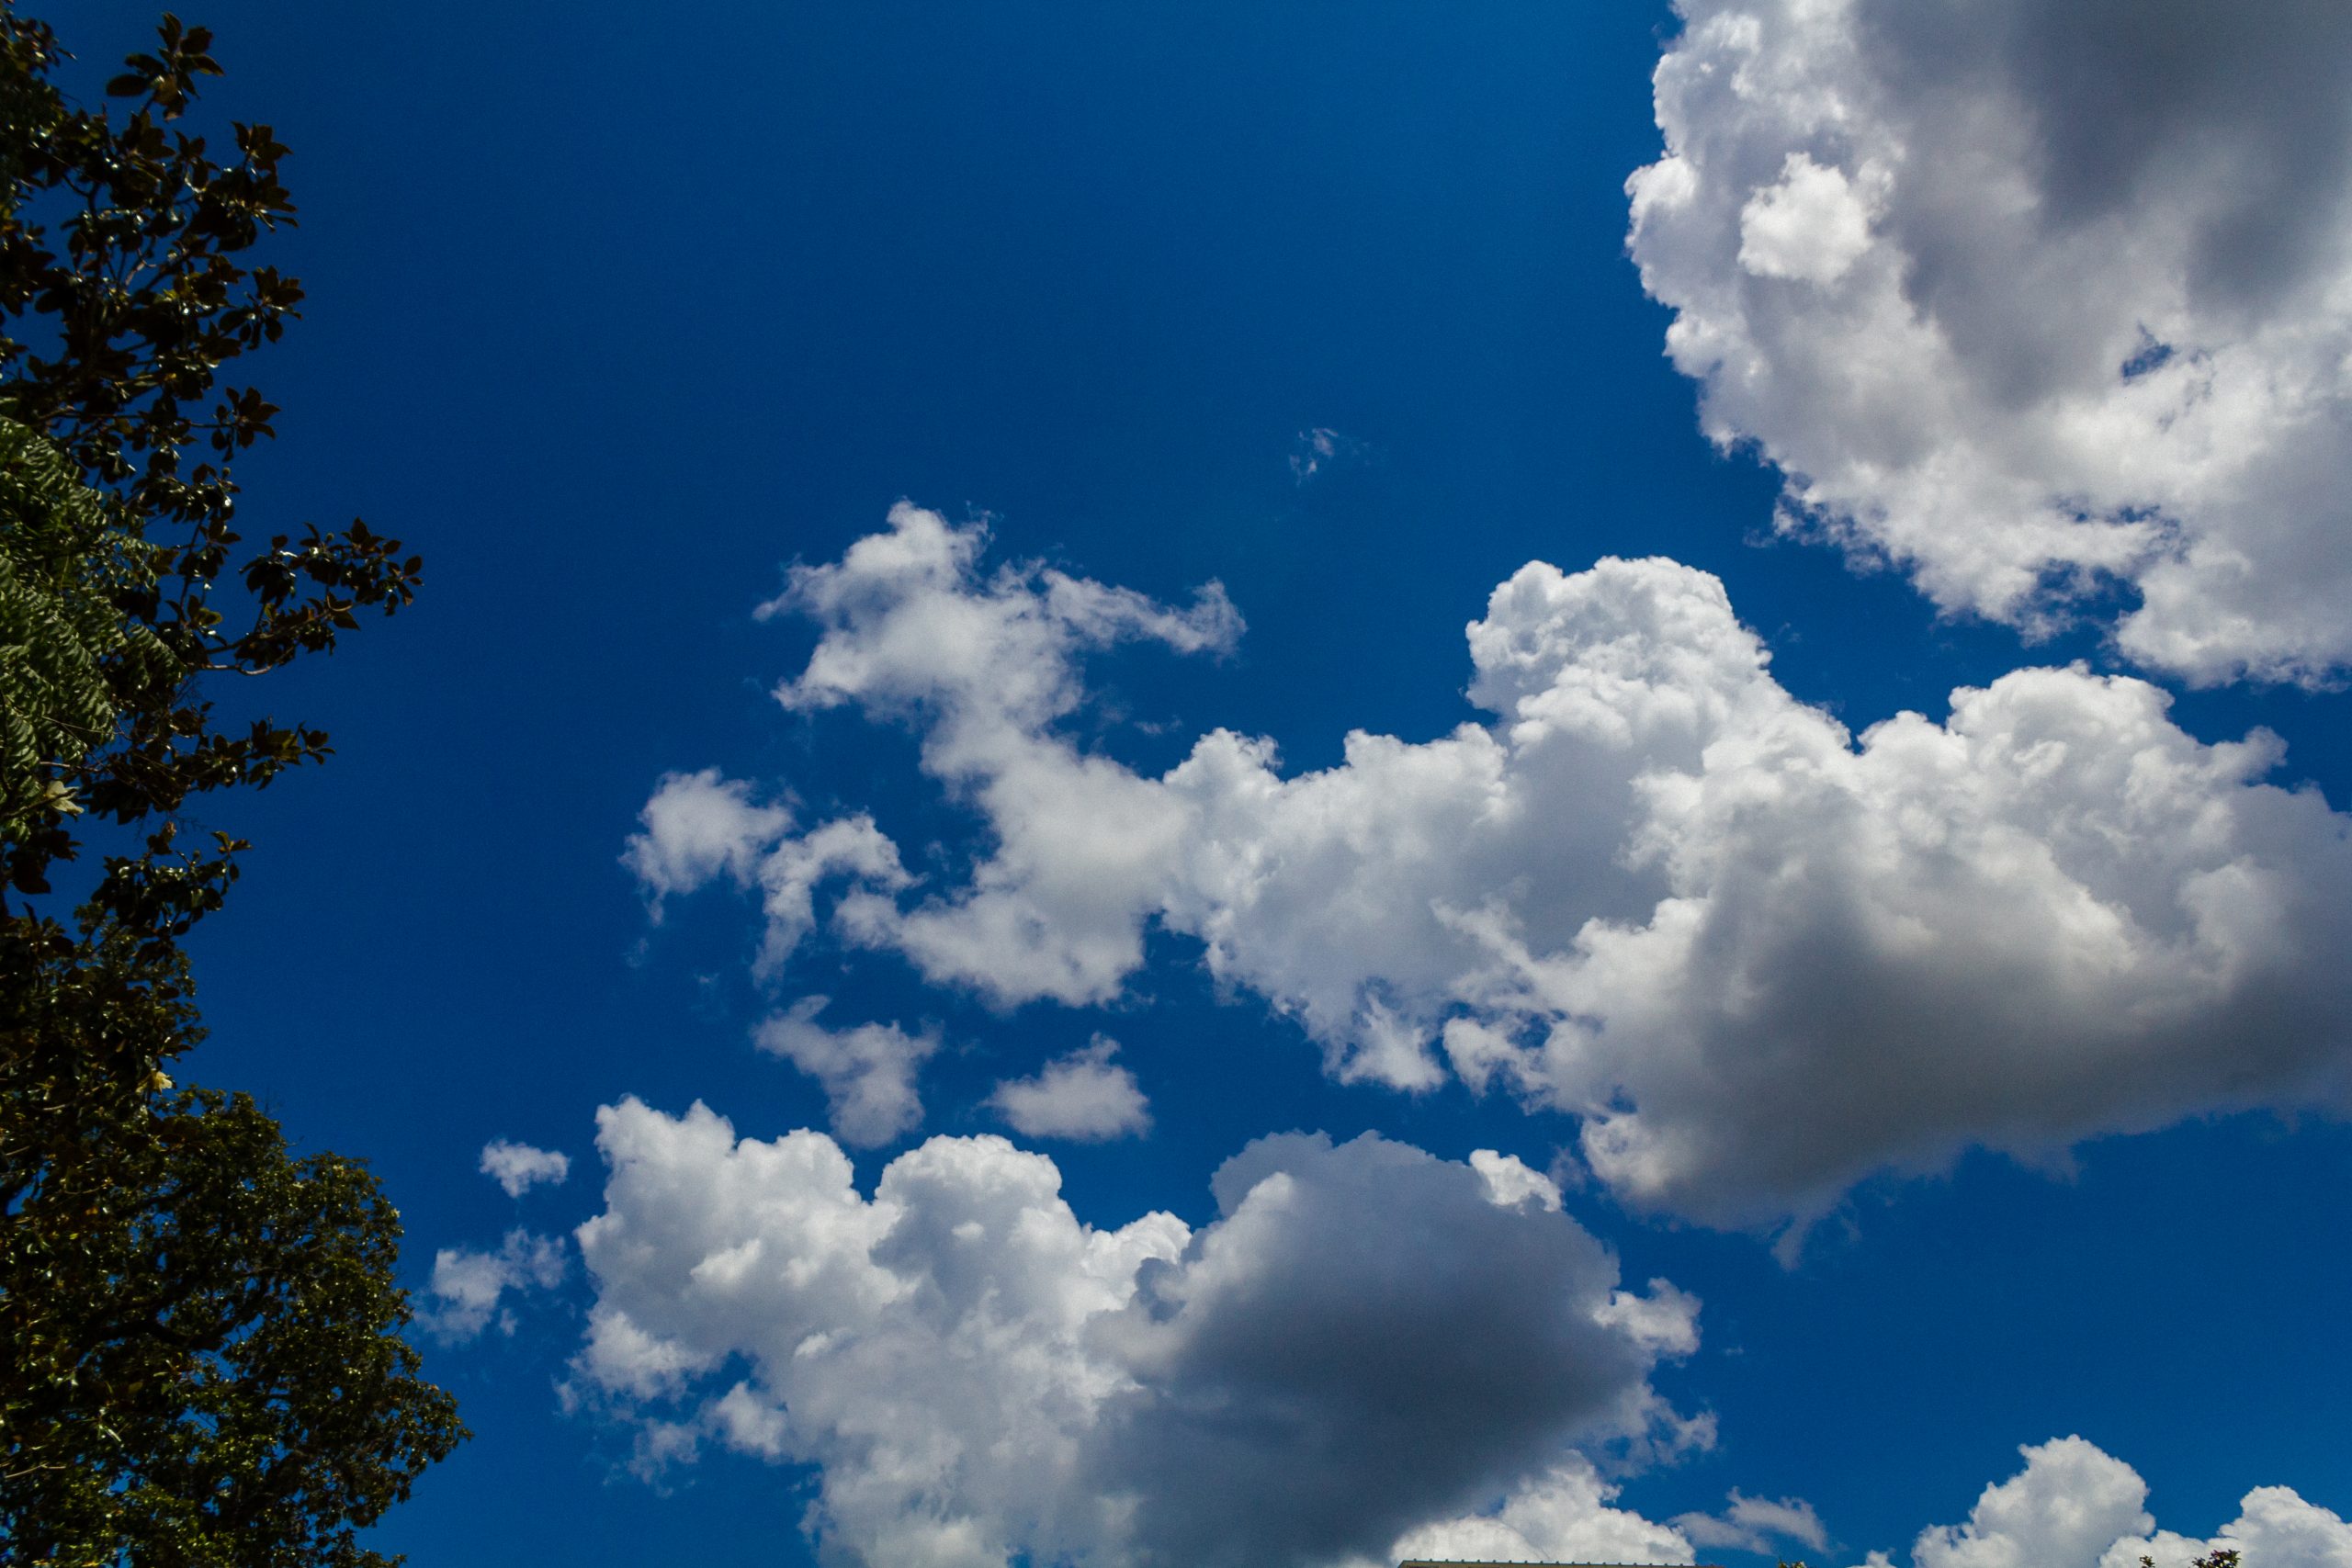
x=1970 y=1086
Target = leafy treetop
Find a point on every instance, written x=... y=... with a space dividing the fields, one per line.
x=124 y=294
x=200 y=1355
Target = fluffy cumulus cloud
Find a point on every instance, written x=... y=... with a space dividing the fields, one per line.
x=469 y=1286
x=867 y=1072
x=518 y=1167
x=2275 y=1529
x=1084 y=1096
x=2075 y=1506
x=1366 y=1341
x=2034 y=300
x=1562 y=1515
x=1757 y=956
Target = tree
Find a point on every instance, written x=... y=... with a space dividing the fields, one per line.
x=200 y=1358
x=204 y=1365
x=69 y=662
x=2220 y=1557
x=123 y=296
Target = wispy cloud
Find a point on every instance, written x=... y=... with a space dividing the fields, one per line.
x=867 y=1072
x=1083 y=1096
x=1322 y=449
x=1760 y=1525
x=518 y=1167
x=469 y=1286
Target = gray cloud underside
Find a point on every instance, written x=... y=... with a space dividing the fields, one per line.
x=1367 y=1339
x=1370 y=1355
x=2032 y=299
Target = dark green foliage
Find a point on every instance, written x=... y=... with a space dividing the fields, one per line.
x=204 y=1365
x=71 y=662
x=200 y=1350
x=123 y=295
x=200 y=1359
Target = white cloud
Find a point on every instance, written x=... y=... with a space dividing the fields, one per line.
x=2275 y=1529
x=1810 y=225
x=1082 y=1096
x=2073 y=1505
x=1363 y=1342
x=867 y=1072
x=1321 y=448
x=1759 y=956
x=1562 y=1515
x=468 y=1285
x=1756 y=1524
x=518 y=1167
x=2028 y=297
x=1510 y=1181
x=983 y=668
x=700 y=826
x=2066 y=1509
